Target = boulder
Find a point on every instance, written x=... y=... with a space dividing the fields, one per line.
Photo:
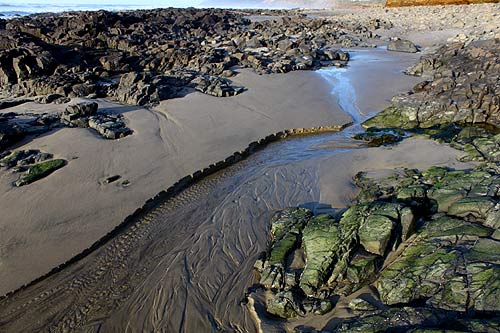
x=401 y=45
x=21 y=158
x=82 y=109
x=109 y=126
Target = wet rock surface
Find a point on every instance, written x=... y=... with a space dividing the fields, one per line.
x=401 y=45
x=423 y=240
x=462 y=88
x=14 y=126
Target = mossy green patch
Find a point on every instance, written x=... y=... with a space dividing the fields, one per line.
x=39 y=171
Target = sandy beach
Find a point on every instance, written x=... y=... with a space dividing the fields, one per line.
x=190 y=261
x=61 y=216
x=180 y=133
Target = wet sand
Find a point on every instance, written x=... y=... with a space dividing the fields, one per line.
x=48 y=222
x=186 y=265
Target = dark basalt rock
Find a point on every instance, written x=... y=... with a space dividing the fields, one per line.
x=14 y=127
x=84 y=54
x=82 y=109
x=52 y=98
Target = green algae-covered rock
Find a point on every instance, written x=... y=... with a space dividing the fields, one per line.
x=283 y=304
x=478 y=207
x=395 y=320
x=445 y=197
x=362 y=268
x=321 y=240
x=375 y=233
x=434 y=174
x=418 y=273
x=485 y=249
x=282 y=247
x=492 y=219
x=446 y=226
x=317 y=306
x=407 y=220
x=377 y=137
x=39 y=171
x=359 y=304
x=395 y=117
x=413 y=192
x=484 y=287
x=420 y=237
x=289 y=220
x=453 y=295
x=496 y=234
x=491 y=325
x=286 y=227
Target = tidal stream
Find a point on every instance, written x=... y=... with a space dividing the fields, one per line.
x=186 y=265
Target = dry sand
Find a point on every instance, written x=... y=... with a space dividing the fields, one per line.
x=186 y=265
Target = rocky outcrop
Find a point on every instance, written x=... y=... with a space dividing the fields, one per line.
x=462 y=89
x=148 y=56
x=457 y=104
x=21 y=158
x=424 y=239
x=31 y=164
x=14 y=127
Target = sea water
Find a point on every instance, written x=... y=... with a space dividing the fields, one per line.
x=15 y=8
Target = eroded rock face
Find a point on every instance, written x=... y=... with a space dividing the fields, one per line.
x=424 y=239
